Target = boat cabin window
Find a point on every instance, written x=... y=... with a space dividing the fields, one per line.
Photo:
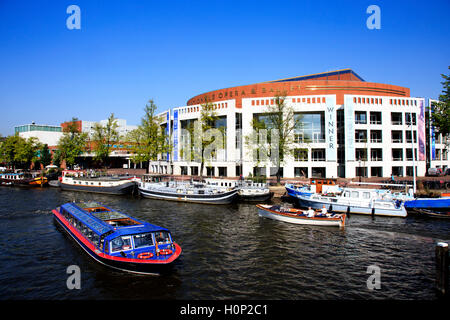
x=143 y=240
x=355 y=194
x=366 y=195
x=347 y=194
x=121 y=243
x=162 y=237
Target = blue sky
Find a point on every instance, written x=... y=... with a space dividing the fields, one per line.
x=128 y=52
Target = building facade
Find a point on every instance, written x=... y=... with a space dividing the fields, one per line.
x=46 y=134
x=345 y=127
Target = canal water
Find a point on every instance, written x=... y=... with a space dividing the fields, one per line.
x=228 y=253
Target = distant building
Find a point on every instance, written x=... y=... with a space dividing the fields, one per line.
x=88 y=126
x=46 y=134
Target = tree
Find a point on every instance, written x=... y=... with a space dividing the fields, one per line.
x=440 y=114
x=149 y=139
x=206 y=137
x=18 y=151
x=104 y=137
x=71 y=145
x=45 y=156
x=272 y=133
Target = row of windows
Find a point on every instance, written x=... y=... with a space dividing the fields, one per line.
x=403 y=102
x=221 y=105
x=376 y=154
x=85 y=230
x=376 y=136
x=309 y=100
x=33 y=127
x=370 y=100
x=378 y=171
x=376 y=117
x=367 y=100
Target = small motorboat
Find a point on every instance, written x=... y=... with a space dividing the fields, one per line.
x=298 y=216
x=117 y=240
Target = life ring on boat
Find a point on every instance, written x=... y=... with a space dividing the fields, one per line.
x=145 y=255
x=165 y=251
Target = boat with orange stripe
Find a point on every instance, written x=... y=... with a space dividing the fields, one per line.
x=298 y=216
x=117 y=240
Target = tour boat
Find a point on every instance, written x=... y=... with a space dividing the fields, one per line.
x=247 y=190
x=23 y=179
x=185 y=191
x=353 y=200
x=297 y=216
x=73 y=180
x=117 y=240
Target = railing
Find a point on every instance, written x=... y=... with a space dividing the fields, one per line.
x=375 y=140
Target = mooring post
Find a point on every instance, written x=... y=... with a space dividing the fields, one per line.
x=442 y=268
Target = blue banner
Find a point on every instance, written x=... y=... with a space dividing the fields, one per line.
x=168 y=131
x=175 y=135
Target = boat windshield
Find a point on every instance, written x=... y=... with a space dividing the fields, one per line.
x=162 y=237
x=143 y=240
x=121 y=243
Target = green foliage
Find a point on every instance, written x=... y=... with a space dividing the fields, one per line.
x=104 y=137
x=17 y=151
x=207 y=139
x=441 y=110
x=45 y=156
x=149 y=139
x=272 y=137
x=71 y=145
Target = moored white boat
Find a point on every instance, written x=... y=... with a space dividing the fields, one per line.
x=353 y=200
x=184 y=191
x=247 y=190
x=297 y=216
x=80 y=181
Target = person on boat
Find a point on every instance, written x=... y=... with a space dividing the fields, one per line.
x=324 y=210
x=310 y=213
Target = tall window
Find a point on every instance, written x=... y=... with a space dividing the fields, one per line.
x=301 y=154
x=310 y=127
x=360 y=117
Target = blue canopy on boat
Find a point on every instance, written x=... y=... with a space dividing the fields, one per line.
x=428 y=203
x=93 y=223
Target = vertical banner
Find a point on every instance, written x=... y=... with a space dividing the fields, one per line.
x=349 y=114
x=330 y=128
x=175 y=135
x=432 y=134
x=421 y=130
x=168 y=131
